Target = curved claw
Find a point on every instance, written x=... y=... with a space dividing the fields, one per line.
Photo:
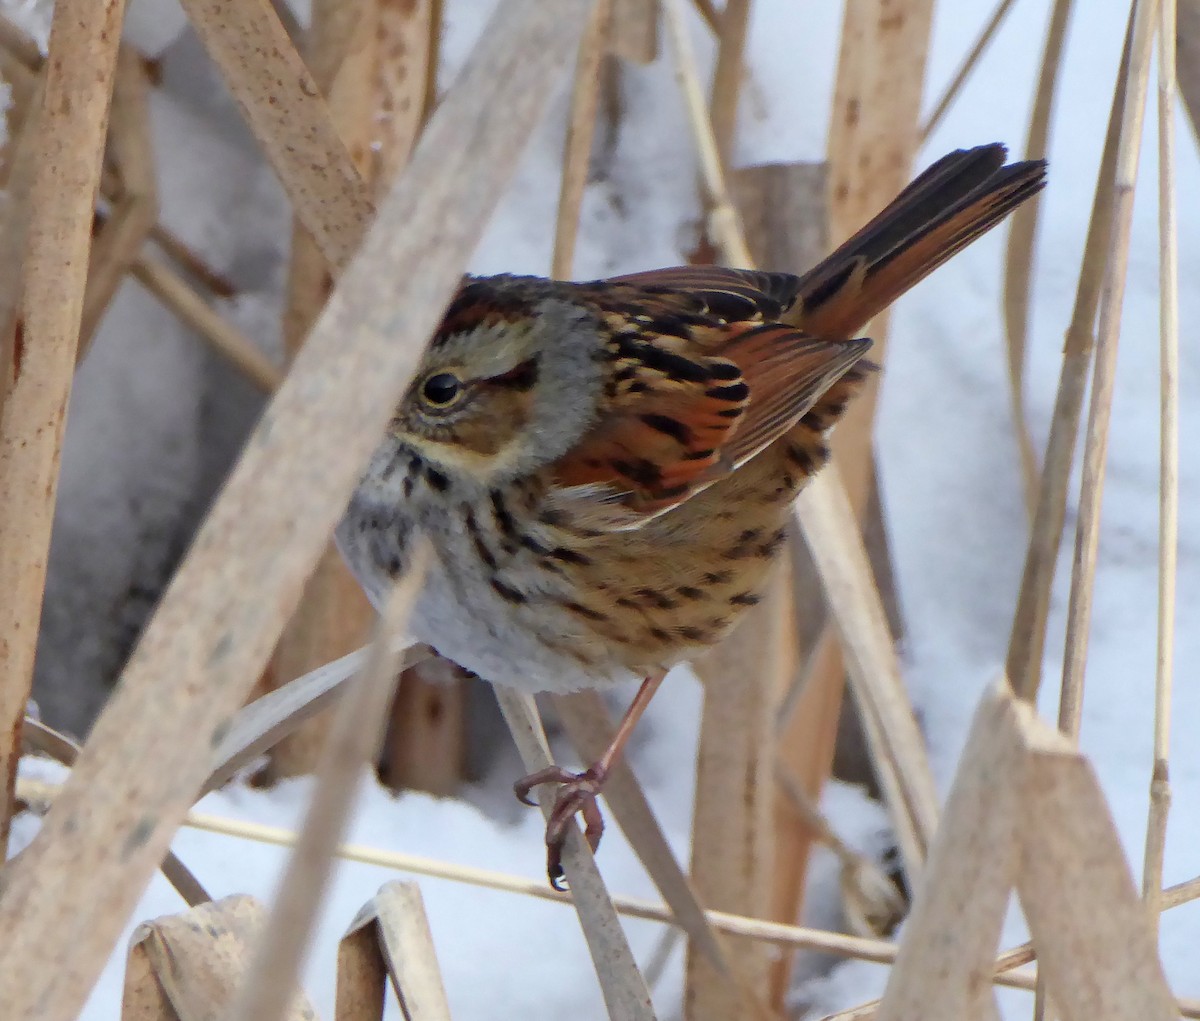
x=577 y=794
x=551 y=774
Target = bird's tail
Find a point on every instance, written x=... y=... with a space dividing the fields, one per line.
x=958 y=199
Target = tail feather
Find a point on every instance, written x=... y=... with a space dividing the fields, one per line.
x=960 y=197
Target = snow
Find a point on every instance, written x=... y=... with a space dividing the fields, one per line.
x=146 y=448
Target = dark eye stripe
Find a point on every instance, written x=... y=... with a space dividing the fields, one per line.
x=521 y=379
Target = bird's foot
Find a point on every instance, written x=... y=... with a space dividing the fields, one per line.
x=576 y=794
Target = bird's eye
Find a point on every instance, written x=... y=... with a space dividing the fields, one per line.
x=441 y=389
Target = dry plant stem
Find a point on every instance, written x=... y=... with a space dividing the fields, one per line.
x=38 y=737
x=1168 y=508
x=353 y=739
x=1018 y=266
x=71 y=130
x=390 y=939
x=191 y=262
x=334 y=616
x=709 y=13
x=1095 y=451
x=727 y=77
x=622 y=985
x=845 y=571
x=1028 y=636
x=283 y=105
x=586 y=719
x=135 y=208
x=778 y=933
x=21 y=154
x=150 y=750
x=581 y=129
x=257 y=727
x=178 y=295
x=897 y=747
x=724 y=224
x=1187 y=62
x=965 y=69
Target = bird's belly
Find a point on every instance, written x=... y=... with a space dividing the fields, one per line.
x=532 y=649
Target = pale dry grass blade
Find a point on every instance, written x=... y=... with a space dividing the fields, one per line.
x=588 y=724
x=898 y=750
x=1099 y=964
x=334 y=616
x=394 y=931
x=728 y=75
x=1027 y=639
x=227 y=340
x=187 y=967
x=624 y=988
x=1019 y=260
x=733 y=818
x=581 y=130
x=965 y=69
x=974 y=859
x=20 y=167
x=258 y=726
x=1007 y=965
x=40 y=738
x=854 y=598
x=353 y=739
x=43 y=337
x=1095 y=450
x=150 y=750
x=135 y=209
x=1168 y=492
x=635 y=30
x=1187 y=58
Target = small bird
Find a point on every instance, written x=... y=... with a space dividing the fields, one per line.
x=605 y=469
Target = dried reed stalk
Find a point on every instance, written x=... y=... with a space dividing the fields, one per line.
x=45 y=332
x=188 y=965
x=969 y=63
x=20 y=166
x=334 y=616
x=354 y=737
x=283 y=105
x=974 y=858
x=40 y=738
x=177 y=295
x=733 y=821
x=1168 y=492
x=215 y=626
x=1018 y=265
x=590 y=728
x=728 y=74
x=634 y=33
x=1027 y=639
x=135 y=208
x=581 y=130
x=1095 y=450
x=1187 y=58
x=873 y=137
x=854 y=599
x=624 y=988
x=390 y=939
x=258 y=726
x=780 y=934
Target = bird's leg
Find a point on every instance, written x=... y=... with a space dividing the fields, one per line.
x=577 y=791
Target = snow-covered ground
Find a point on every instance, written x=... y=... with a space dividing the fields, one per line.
x=150 y=409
